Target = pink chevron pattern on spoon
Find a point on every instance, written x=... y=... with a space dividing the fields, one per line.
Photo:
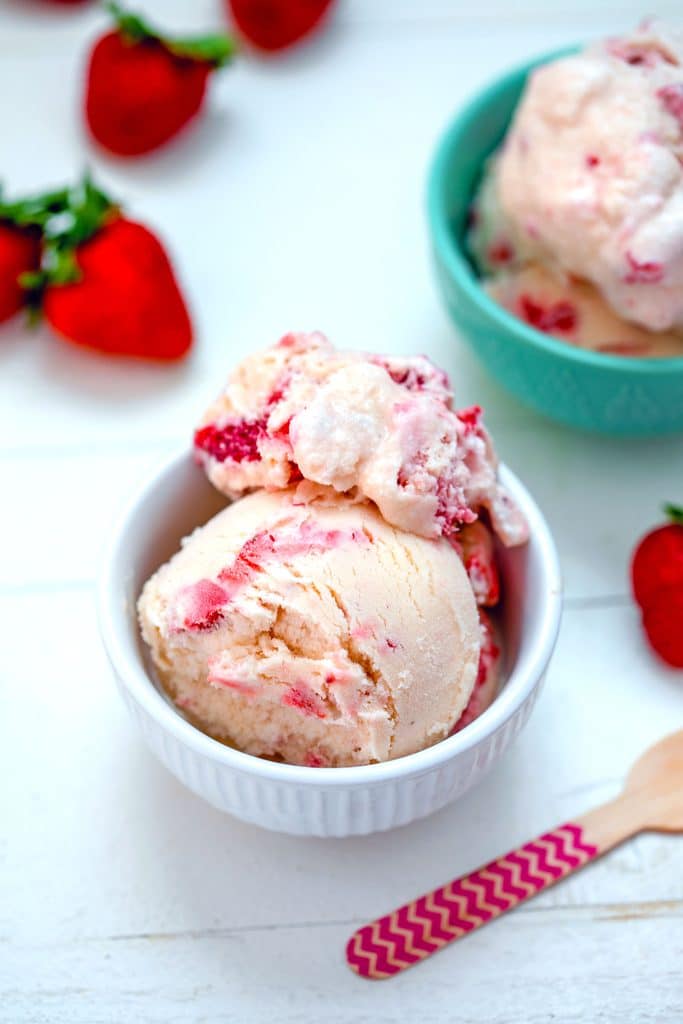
x=420 y=928
x=651 y=800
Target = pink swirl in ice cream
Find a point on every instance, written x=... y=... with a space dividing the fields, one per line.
x=588 y=185
x=381 y=428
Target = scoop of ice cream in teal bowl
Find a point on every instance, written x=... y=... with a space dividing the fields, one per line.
x=611 y=394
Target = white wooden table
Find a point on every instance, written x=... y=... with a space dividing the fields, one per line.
x=297 y=203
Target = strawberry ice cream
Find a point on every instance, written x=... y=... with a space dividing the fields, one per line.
x=335 y=615
x=573 y=311
x=585 y=198
x=488 y=678
x=381 y=428
x=317 y=633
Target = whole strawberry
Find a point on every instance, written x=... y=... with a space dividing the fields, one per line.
x=276 y=24
x=143 y=88
x=19 y=254
x=657 y=580
x=106 y=282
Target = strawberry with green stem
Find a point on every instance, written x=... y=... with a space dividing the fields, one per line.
x=142 y=87
x=105 y=281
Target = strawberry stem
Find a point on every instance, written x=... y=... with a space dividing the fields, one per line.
x=674 y=513
x=130 y=24
x=84 y=210
x=217 y=49
x=67 y=218
x=64 y=218
x=33 y=211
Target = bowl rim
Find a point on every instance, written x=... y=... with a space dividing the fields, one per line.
x=450 y=250
x=525 y=677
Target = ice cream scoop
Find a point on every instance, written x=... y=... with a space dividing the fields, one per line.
x=314 y=633
x=589 y=184
x=381 y=428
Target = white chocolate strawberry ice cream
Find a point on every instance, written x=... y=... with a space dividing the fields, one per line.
x=316 y=633
x=381 y=428
x=588 y=185
x=573 y=311
x=334 y=615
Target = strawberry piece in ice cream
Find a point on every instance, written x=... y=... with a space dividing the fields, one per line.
x=382 y=428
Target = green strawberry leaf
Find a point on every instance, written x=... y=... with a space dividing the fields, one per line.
x=129 y=24
x=31 y=280
x=67 y=218
x=32 y=210
x=674 y=513
x=217 y=49
x=84 y=211
x=60 y=266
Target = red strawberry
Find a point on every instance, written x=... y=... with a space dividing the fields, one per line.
x=143 y=88
x=276 y=24
x=107 y=282
x=663 y=622
x=658 y=559
x=19 y=254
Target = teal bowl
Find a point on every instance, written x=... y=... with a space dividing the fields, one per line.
x=589 y=390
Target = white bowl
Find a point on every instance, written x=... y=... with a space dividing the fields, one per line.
x=318 y=801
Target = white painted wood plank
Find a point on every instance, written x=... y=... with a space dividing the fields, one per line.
x=298 y=202
x=585 y=967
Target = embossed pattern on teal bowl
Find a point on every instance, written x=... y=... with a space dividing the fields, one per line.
x=606 y=393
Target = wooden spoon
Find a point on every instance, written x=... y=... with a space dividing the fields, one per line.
x=652 y=799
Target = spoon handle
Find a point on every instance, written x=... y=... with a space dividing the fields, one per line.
x=415 y=931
